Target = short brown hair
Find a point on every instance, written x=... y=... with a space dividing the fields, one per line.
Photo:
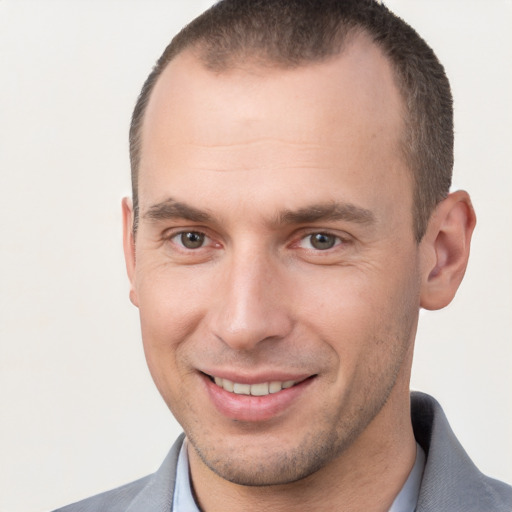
x=290 y=33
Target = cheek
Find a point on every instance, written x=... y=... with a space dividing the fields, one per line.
x=170 y=311
x=164 y=327
x=363 y=312
x=171 y=301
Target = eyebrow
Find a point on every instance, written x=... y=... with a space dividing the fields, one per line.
x=332 y=211
x=172 y=209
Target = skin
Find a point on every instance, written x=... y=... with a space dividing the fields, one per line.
x=242 y=156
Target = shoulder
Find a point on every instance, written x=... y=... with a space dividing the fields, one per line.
x=451 y=481
x=153 y=492
x=115 y=500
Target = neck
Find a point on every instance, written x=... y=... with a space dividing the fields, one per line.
x=366 y=477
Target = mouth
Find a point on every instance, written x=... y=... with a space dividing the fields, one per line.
x=256 y=389
x=257 y=401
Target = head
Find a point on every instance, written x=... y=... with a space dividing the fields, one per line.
x=280 y=256
x=292 y=33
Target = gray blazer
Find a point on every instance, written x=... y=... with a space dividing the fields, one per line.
x=451 y=482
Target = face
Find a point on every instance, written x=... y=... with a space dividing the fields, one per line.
x=275 y=267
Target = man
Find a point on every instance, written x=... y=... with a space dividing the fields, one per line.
x=291 y=164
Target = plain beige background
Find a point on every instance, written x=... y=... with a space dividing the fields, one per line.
x=78 y=411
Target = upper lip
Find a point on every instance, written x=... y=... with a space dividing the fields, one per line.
x=256 y=378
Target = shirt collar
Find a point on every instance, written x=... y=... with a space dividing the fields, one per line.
x=183 y=500
x=407 y=498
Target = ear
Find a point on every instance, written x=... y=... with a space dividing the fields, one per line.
x=445 y=250
x=129 y=246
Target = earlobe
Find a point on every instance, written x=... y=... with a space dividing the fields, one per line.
x=445 y=250
x=129 y=246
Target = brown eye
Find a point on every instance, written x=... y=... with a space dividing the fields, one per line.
x=322 y=241
x=191 y=239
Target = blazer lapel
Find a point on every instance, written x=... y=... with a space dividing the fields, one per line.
x=157 y=495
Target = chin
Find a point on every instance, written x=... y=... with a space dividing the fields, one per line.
x=268 y=464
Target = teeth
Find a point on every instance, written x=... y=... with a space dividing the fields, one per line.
x=242 y=389
x=274 y=387
x=260 y=389
x=227 y=385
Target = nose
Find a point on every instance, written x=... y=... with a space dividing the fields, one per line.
x=251 y=307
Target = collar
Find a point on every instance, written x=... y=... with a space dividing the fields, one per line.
x=183 y=500
x=407 y=498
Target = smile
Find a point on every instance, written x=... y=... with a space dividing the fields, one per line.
x=258 y=389
x=256 y=401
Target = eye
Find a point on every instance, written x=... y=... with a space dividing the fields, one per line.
x=190 y=239
x=320 y=241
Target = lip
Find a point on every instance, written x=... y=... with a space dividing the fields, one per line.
x=248 y=408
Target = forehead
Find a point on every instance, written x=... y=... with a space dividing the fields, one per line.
x=342 y=118
x=358 y=82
